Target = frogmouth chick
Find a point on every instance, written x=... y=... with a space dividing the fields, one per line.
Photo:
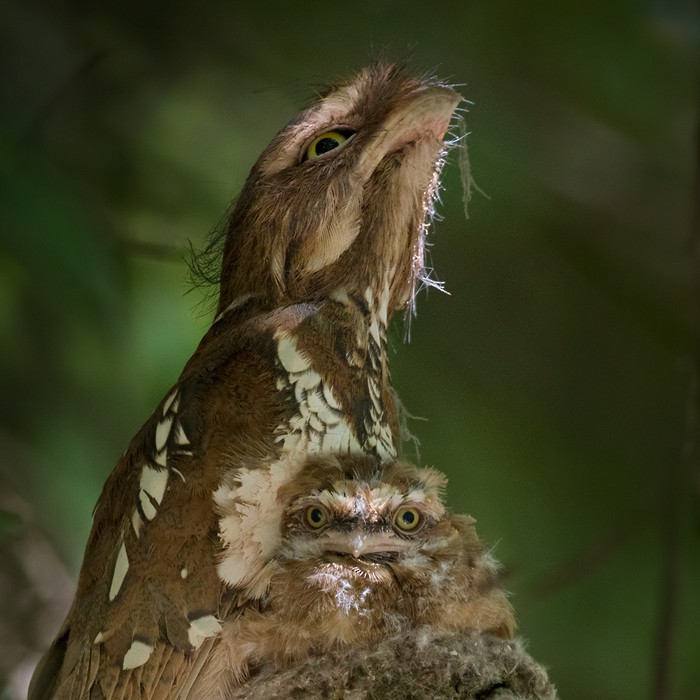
x=367 y=550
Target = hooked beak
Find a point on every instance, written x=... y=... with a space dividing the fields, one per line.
x=426 y=114
x=358 y=544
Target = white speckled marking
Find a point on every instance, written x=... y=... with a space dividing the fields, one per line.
x=146 y=506
x=153 y=483
x=330 y=398
x=379 y=435
x=163 y=431
x=121 y=566
x=250 y=514
x=183 y=573
x=162 y=458
x=341 y=296
x=168 y=403
x=202 y=628
x=180 y=437
x=383 y=307
x=292 y=360
x=334 y=577
x=374 y=331
x=320 y=424
x=136 y=523
x=137 y=655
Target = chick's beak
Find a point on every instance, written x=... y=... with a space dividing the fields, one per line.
x=358 y=544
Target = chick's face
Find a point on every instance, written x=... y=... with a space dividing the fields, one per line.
x=373 y=540
x=368 y=550
x=361 y=525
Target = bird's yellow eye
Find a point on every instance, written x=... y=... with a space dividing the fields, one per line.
x=325 y=142
x=316 y=516
x=407 y=519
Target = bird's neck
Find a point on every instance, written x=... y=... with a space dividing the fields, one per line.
x=334 y=363
x=330 y=362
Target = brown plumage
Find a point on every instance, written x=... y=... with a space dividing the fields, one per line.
x=367 y=550
x=324 y=244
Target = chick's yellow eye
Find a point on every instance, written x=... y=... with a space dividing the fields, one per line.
x=325 y=142
x=316 y=516
x=407 y=519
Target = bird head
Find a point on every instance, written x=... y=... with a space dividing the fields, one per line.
x=369 y=546
x=354 y=512
x=340 y=199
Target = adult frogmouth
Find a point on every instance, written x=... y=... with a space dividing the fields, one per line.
x=324 y=244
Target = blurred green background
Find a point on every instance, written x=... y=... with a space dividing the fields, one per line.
x=554 y=377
